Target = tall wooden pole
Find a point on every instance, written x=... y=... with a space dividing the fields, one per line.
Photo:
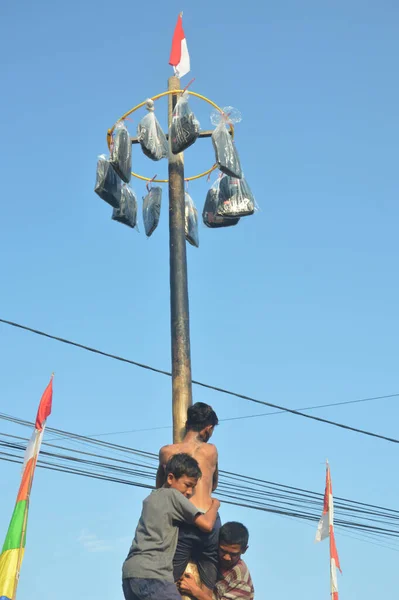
x=179 y=309
x=180 y=324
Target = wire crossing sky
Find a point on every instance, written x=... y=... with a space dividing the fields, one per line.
x=297 y=304
x=218 y=389
x=233 y=488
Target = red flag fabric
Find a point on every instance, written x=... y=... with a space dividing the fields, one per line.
x=44 y=406
x=179 y=57
x=326 y=529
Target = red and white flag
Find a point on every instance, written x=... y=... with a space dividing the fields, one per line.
x=14 y=546
x=44 y=410
x=179 y=56
x=325 y=529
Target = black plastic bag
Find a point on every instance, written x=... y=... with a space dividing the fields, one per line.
x=152 y=210
x=191 y=221
x=150 y=135
x=185 y=128
x=209 y=216
x=235 y=198
x=108 y=184
x=121 y=153
x=127 y=211
x=226 y=153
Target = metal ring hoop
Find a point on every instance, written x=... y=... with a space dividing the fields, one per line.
x=157 y=97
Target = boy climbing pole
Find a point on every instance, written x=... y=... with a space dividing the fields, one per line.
x=194 y=544
x=148 y=570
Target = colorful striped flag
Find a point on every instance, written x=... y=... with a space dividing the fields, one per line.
x=179 y=56
x=326 y=529
x=14 y=546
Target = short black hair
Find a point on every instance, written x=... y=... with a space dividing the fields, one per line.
x=234 y=533
x=200 y=415
x=183 y=464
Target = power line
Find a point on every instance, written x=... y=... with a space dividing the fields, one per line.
x=83 y=347
x=241 y=490
x=331 y=404
x=150 y=456
x=229 y=492
x=207 y=386
x=275 y=412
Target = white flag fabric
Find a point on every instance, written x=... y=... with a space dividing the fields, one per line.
x=323 y=529
x=179 y=56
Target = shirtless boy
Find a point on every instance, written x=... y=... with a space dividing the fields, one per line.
x=194 y=544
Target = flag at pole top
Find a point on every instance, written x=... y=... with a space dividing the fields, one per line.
x=179 y=56
x=45 y=406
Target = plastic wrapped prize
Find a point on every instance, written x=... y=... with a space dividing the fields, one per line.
x=108 y=184
x=150 y=135
x=235 y=198
x=127 y=211
x=209 y=216
x=185 y=128
x=121 y=153
x=226 y=153
x=191 y=218
x=152 y=210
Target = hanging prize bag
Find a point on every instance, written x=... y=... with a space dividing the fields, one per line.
x=121 y=152
x=235 y=198
x=185 y=128
x=191 y=221
x=226 y=154
x=152 y=209
x=150 y=135
x=127 y=212
x=108 y=184
x=209 y=216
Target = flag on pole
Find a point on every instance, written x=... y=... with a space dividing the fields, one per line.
x=179 y=57
x=325 y=529
x=14 y=545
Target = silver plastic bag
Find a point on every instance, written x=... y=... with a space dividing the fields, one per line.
x=226 y=153
x=191 y=221
x=150 y=135
x=235 y=198
x=185 y=128
x=127 y=211
x=209 y=215
x=108 y=184
x=152 y=210
x=121 y=152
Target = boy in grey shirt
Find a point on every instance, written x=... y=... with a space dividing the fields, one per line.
x=148 y=570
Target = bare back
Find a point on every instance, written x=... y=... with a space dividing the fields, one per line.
x=207 y=458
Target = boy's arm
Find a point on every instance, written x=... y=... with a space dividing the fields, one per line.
x=160 y=478
x=213 y=460
x=188 y=584
x=215 y=479
x=206 y=521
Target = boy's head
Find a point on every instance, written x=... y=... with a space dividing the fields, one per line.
x=182 y=473
x=202 y=419
x=233 y=541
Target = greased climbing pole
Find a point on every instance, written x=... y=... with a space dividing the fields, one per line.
x=179 y=304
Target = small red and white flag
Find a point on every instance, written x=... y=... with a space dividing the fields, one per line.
x=325 y=529
x=179 y=56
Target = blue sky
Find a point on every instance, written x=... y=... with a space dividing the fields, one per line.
x=296 y=305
